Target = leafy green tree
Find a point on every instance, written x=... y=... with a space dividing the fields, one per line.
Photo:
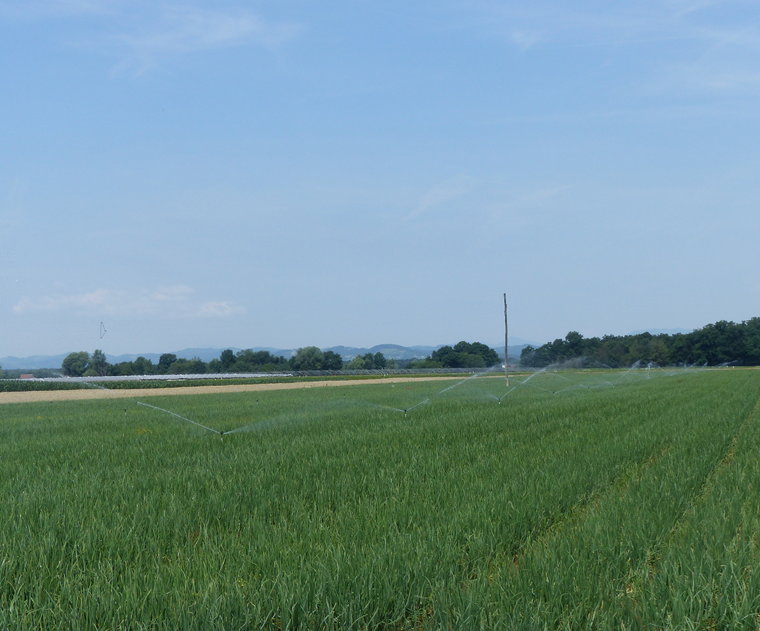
x=194 y=366
x=214 y=366
x=250 y=361
x=715 y=344
x=332 y=361
x=227 y=359
x=199 y=366
x=357 y=363
x=465 y=355
x=368 y=361
x=574 y=344
x=489 y=355
x=98 y=363
x=142 y=366
x=75 y=364
x=446 y=356
x=311 y=358
x=165 y=362
x=307 y=358
x=124 y=369
x=658 y=352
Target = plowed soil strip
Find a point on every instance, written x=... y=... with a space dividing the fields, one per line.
x=81 y=395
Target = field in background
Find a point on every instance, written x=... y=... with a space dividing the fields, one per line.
x=570 y=504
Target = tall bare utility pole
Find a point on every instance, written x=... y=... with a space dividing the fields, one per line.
x=506 y=342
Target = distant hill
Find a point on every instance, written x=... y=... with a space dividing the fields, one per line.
x=390 y=351
x=35 y=361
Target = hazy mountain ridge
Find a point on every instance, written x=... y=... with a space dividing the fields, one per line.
x=390 y=351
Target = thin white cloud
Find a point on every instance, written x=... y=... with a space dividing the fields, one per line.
x=442 y=193
x=175 y=301
x=176 y=293
x=525 y=39
x=142 y=34
x=519 y=210
x=719 y=40
x=219 y=309
x=556 y=23
x=685 y=8
x=36 y=9
x=179 y=29
x=708 y=77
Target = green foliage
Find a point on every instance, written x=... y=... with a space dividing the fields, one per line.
x=165 y=362
x=194 y=366
x=626 y=507
x=75 y=364
x=368 y=361
x=26 y=385
x=714 y=344
x=357 y=363
x=259 y=361
x=312 y=358
x=98 y=363
x=15 y=373
x=226 y=359
x=462 y=355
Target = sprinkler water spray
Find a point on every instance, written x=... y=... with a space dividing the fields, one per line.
x=215 y=431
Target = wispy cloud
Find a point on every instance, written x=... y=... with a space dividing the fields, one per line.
x=690 y=6
x=518 y=210
x=142 y=34
x=525 y=39
x=184 y=29
x=707 y=77
x=176 y=301
x=555 y=23
x=35 y=9
x=219 y=309
x=442 y=193
x=718 y=40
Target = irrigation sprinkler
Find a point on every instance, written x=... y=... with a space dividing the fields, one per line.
x=414 y=406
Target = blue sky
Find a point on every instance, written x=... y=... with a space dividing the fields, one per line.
x=293 y=173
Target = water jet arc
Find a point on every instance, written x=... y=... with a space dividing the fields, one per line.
x=215 y=431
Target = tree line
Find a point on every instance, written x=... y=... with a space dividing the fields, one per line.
x=15 y=373
x=462 y=355
x=715 y=344
x=82 y=364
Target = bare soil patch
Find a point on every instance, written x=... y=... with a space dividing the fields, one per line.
x=83 y=395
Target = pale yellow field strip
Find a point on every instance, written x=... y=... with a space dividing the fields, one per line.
x=93 y=393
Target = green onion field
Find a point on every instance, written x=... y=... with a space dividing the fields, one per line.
x=569 y=504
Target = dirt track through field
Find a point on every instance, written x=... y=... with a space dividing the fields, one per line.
x=82 y=395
